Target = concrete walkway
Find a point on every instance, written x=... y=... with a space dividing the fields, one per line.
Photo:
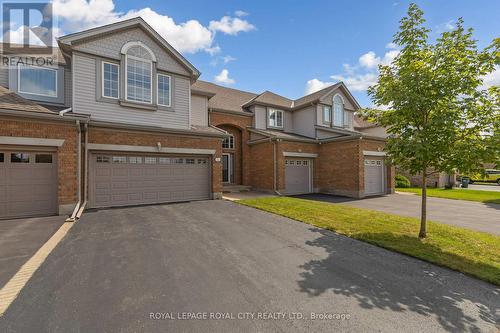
x=467 y=214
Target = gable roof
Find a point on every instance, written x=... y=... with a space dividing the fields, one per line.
x=9 y=100
x=315 y=96
x=271 y=99
x=70 y=39
x=225 y=99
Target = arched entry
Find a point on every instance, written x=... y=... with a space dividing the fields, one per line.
x=232 y=155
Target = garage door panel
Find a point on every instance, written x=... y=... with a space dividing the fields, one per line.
x=154 y=180
x=298 y=176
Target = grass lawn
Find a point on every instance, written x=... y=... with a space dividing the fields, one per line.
x=470 y=252
x=457 y=194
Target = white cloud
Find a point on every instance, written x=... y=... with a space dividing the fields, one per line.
x=360 y=76
x=369 y=60
x=357 y=82
x=188 y=37
x=223 y=77
x=231 y=25
x=228 y=58
x=314 y=85
x=492 y=79
x=240 y=13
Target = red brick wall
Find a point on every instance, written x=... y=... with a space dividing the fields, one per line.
x=241 y=123
x=338 y=168
x=66 y=154
x=261 y=169
x=136 y=138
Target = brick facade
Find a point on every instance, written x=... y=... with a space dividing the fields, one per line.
x=137 y=138
x=66 y=154
x=236 y=124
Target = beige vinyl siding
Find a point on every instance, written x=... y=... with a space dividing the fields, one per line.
x=199 y=110
x=288 y=119
x=111 y=45
x=304 y=120
x=4 y=76
x=260 y=116
x=86 y=101
x=328 y=99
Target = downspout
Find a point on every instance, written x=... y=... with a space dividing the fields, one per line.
x=275 y=171
x=72 y=217
x=85 y=173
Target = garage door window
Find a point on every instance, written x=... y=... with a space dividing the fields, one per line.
x=19 y=158
x=164 y=160
x=150 y=160
x=102 y=159
x=1 y=157
x=135 y=160
x=189 y=160
x=119 y=159
x=178 y=160
x=202 y=161
x=43 y=158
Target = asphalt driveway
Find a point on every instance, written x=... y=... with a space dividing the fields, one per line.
x=118 y=268
x=20 y=239
x=466 y=214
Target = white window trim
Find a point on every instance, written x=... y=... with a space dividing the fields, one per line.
x=126 y=79
x=333 y=111
x=30 y=93
x=231 y=142
x=329 y=121
x=276 y=119
x=169 y=90
x=102 y=79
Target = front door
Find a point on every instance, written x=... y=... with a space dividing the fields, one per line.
x=227 y=168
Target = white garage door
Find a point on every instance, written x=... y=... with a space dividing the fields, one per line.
x=28 y=183
x=123 y=180
x=374 y=176
x=298 y=176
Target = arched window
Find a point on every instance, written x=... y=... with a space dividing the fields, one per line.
x=338 y=111
x=138 y=73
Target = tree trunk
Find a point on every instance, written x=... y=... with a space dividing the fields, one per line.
x=423 y=214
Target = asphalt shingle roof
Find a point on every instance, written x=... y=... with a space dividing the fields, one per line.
x=12 y=101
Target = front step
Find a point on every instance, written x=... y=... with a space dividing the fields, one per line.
x=235 y=188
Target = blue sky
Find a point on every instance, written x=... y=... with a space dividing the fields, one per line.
x=283 y=45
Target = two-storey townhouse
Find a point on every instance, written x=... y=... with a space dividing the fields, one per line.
x=295 y=146
x=120 y=118
x=108 y=124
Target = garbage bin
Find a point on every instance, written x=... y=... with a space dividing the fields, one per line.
x=465 y=182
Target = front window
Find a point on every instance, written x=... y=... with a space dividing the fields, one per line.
x=338 y=111
x=327 y=114
x=228 y=142
x=163 y=90
x=110 y=80
x=37 y=81
x=138 y=71
x=275 y=118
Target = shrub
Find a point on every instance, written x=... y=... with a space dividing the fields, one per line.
x=402 y=182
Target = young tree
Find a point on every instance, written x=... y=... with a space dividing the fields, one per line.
x=439 y=118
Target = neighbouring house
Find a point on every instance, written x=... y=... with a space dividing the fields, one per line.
x=121 y=119
x=437 y=179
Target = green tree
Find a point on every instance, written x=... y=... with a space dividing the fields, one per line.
x=440 y=119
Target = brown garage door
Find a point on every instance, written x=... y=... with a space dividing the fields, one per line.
x=298 y=176
x=123 y=180
x=28 y=183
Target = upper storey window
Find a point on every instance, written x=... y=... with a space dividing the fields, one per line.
x=110 y=83
x=40 y=81
x=139 y=68
x=275 y=118
x=338 y=111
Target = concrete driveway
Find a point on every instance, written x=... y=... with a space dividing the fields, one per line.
x=20 y=239
x=466 y=214
x=118 y=268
